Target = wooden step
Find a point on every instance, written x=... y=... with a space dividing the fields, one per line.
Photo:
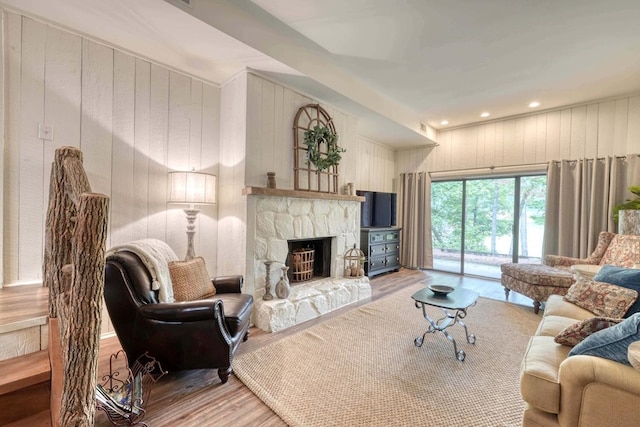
x=24 y=371
x=41 y=419
x=24 y=386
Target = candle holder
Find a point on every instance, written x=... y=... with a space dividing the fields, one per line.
x=267 y=281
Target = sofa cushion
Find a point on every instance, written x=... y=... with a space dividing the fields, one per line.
x=539 y=384
x=575 y=333
x=603 y=299
x=557 y=306
x=634 y=354
x=191 y=280
x=552 y=325
x=611 y=343
x=621 y=276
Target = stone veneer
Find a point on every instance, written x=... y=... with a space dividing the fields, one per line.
x=272 y=221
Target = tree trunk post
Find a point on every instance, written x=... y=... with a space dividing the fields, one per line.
x=81 y=335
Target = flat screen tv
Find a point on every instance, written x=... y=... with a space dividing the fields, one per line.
x=378 y=209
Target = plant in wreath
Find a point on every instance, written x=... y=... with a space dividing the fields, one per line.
x=322 y=135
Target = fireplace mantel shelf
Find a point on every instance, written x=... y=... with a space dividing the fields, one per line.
x=278 y=192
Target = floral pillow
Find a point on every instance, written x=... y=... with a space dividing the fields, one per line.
x=602 y=299
x=620 y=276
x=572 y=335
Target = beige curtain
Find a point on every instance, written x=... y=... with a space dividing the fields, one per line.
x=581 y=195
x=415 y=219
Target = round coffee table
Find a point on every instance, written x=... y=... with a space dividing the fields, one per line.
x=458 y=302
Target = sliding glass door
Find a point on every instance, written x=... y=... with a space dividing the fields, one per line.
x=478 y=224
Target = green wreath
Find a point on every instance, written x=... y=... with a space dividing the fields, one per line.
x=316 y=136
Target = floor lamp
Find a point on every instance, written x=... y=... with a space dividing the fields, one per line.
x=191 y=188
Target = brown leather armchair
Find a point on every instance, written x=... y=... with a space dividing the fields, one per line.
x=202 y=334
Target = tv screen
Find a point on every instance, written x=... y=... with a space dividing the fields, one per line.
x=378 y=209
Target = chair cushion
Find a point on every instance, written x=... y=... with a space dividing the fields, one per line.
x=191 y=280
x=538 y=274
x=603 y=299
x=611 y=343
x=621 y=276
x=624 y=251
x=577 y=332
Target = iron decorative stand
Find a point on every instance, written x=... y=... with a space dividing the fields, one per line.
x=134 y=389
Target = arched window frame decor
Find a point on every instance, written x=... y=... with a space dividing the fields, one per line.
x=306 y=176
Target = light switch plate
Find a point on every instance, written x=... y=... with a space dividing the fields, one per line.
x=45 y=132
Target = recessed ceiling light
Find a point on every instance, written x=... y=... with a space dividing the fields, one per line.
x=485 y=114
x=534 y=104
x=444 y=122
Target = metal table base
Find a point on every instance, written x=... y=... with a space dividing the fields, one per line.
x=454 y=305
x=442 y=324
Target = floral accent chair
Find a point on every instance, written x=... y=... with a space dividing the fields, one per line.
x=538 y=281
x=604 y=239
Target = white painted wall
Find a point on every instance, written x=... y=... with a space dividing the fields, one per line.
x=610 y=127
x=134 y=122
x=271 y=109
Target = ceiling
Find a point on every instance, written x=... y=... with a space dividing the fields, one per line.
x=393 y=63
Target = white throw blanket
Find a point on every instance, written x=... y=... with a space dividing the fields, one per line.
x=156 y=255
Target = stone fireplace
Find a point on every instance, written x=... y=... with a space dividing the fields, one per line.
x=279 y=221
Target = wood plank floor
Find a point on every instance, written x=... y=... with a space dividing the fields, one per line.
x=197 y=397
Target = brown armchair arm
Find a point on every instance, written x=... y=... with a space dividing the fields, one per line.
x=189 y=311
x=228 y=284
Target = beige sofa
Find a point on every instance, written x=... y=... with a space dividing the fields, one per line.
x=584 y=391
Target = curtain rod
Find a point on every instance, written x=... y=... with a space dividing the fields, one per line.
x=597 y=158
x=529 y=168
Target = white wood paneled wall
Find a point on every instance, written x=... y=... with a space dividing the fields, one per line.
x=133 y=120
x=597 y=129
x=271 y=109
x=232 y=228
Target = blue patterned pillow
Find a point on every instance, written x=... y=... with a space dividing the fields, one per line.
x=611 y=343
x=620 y=276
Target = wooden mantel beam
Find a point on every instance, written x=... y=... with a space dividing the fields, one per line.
x=277 y=192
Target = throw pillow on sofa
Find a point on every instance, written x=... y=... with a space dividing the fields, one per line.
x=602 y=299
x=621 y=276
x=611 y=343
x=191 y=280
x=572 y=335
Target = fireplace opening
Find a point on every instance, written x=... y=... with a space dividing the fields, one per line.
x=308 y=259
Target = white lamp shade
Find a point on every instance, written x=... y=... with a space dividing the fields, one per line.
x=194 y=188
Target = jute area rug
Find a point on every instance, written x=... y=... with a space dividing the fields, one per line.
x=363 y=369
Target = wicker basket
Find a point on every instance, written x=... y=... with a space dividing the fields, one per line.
x=301 y=262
